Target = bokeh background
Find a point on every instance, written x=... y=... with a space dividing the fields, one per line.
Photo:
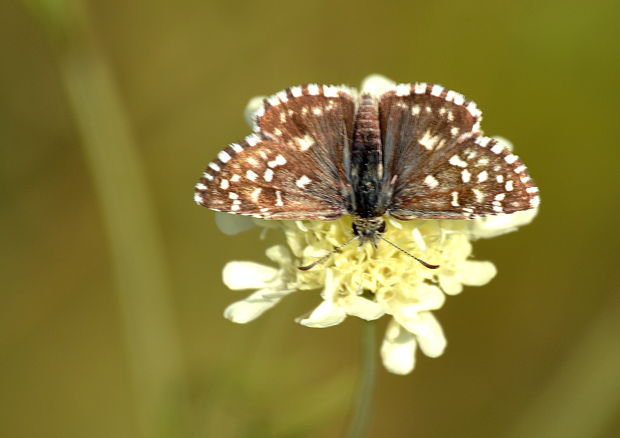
x=111 y=299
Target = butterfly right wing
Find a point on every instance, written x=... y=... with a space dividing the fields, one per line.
x=294 y=166
x=438 y=166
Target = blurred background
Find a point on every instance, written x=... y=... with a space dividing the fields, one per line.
x=111 y=301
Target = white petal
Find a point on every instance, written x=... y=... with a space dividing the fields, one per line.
x=248 y=275
x=280 y=254
x=450 y=283
x=331 y=286
x=253 y=105
x=326 y=314
x=427 y=331
x=398 y=349
x=231 y=224
x=476 y=273
x=505 y=142
x=430 y=335
x=377 y=84
x=491 y=226
x=253 y=306
x=422 y=297
x=363 y=308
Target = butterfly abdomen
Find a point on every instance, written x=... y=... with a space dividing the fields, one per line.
x=366 y=160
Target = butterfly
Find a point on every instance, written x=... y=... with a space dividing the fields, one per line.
x=319 y=152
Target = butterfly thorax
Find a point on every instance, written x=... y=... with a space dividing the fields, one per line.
x=367 y=171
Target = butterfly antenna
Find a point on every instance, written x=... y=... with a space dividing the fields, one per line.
x=422 y=262
x=326 y=256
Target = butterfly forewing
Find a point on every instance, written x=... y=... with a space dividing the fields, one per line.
x=294 y=166
x=418 y=121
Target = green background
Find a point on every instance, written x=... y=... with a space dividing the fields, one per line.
x=111 y=299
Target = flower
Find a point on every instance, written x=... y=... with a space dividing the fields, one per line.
x=370 y=282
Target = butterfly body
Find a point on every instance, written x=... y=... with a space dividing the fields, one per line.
x=414 y=152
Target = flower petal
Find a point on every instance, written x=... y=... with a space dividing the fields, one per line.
x=248 y=275
x=363 y=308
x=279 y=254
x=430 y=335
x=398 y=349
x=492 y=226
x=231 y=224
x=376 y=84
x=427 y=330
x=250 y=109
x=326 y=314
x=476 y=273
x=253 y=306
x=450 y=284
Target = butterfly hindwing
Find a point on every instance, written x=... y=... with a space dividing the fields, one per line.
x=476 y=176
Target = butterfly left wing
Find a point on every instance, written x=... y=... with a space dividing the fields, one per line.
x=294 y=166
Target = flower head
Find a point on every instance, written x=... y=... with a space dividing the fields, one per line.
x=369 y=282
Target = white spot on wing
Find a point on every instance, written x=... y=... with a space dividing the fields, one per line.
x=252 y=139
x=282 y=96
x=509 y=185
x=223 y=157
x=436 y=90
x=278 y=161
x=237 y=148
x=478 y=194
x=279 y=202
x=465 y=175
x=251 y=175
x=483 y=141
x=224 y=184
x=455 y=199
x=296 y=91
x=455 y=160
x=420 y=88
x=201 y=186
x=235 y=178
x=255 y=194
x=482 y=176
x=268 y=175
x=497 y=148
x=313 y=89
x=428 y=140
x=214 y=167
x=403 y=89
x=305 y=142
x=233 y=195
x=431 y=181
x=197 y=198
x=510 y=158
x=303 y=181
x=330 y=91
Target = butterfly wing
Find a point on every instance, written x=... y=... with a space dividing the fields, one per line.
x=294 y=166
x=438 y=166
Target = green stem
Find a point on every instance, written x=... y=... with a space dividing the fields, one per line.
x=360 y=418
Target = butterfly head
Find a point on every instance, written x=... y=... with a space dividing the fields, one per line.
x=368 y=229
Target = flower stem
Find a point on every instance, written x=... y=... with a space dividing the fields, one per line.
x=361 y=415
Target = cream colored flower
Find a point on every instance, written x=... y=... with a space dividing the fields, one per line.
x=369 y=282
